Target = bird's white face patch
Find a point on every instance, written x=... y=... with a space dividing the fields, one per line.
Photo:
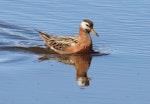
x=85 y=25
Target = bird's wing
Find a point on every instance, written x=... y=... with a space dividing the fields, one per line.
x=58 y=42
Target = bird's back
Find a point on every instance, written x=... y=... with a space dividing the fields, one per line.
x=58 y=42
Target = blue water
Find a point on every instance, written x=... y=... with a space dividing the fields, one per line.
x=29 y=74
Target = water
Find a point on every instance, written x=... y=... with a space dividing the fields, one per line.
x=30 y=75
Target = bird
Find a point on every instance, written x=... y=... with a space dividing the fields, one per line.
x=79 y=44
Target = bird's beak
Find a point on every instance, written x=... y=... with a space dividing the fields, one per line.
x=94 y=32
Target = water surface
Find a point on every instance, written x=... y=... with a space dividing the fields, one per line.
x=30 y=74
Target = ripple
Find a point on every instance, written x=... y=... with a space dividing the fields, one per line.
x=11 y=57
x=12 y=35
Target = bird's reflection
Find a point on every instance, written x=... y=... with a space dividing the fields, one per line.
x=80 y=62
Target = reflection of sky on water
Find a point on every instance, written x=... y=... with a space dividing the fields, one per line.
x=120 y=78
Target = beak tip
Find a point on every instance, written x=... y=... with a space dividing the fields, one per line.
x=94 y=32
x=97 y=34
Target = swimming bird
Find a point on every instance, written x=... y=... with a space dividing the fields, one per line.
x=82 y=43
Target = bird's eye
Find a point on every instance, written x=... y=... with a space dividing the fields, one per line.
x=87 y=25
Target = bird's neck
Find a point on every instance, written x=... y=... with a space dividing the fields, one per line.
x=84 y=34
x=85 y=38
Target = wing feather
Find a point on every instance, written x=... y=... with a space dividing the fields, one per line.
x=58 y=42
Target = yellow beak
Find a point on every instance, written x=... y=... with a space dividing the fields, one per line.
x=94 y=32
